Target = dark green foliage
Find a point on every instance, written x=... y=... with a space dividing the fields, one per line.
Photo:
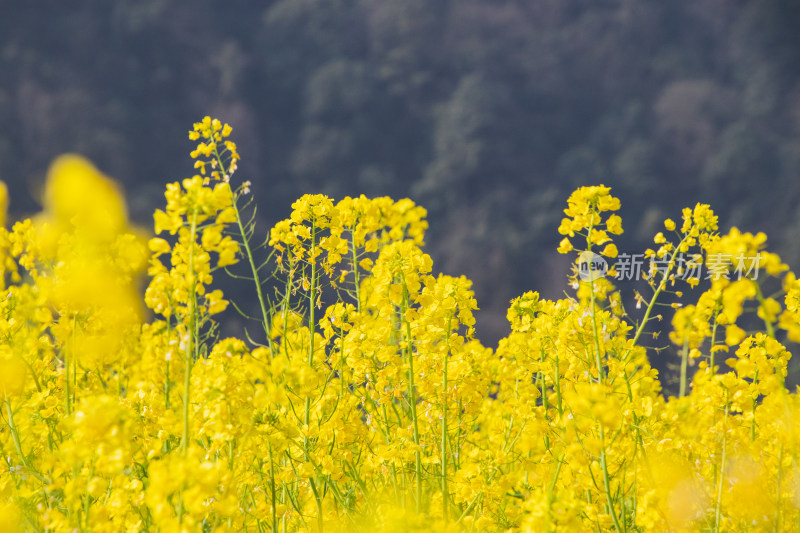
x=487 y=112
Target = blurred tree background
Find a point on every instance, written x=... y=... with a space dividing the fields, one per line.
x=486 y=112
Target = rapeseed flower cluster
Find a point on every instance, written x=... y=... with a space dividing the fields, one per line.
x=369 y=405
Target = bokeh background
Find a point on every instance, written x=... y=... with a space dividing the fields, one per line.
x=487 y=112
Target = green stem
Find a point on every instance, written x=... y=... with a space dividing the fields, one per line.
x=712 y=354
x=355 y=269
x=18 y=443
x=189 y=352
x=187 y=379
x=248 y=250
x=598 y=361
x=778 y=525
x=551 y=489
x=557 y=386
x=684 y=368
x=312 y=297
x=607 y=482
x=761 y=301
x=166 y=375
x=444 y=424
x=718 y=505
x=67 y=378
x=272 y=488
x=662 y=284
x=412 y=398
x=253 y=268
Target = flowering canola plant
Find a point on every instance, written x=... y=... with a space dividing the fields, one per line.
x=368 y=404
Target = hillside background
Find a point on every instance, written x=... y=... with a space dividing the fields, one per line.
x=487 y=112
